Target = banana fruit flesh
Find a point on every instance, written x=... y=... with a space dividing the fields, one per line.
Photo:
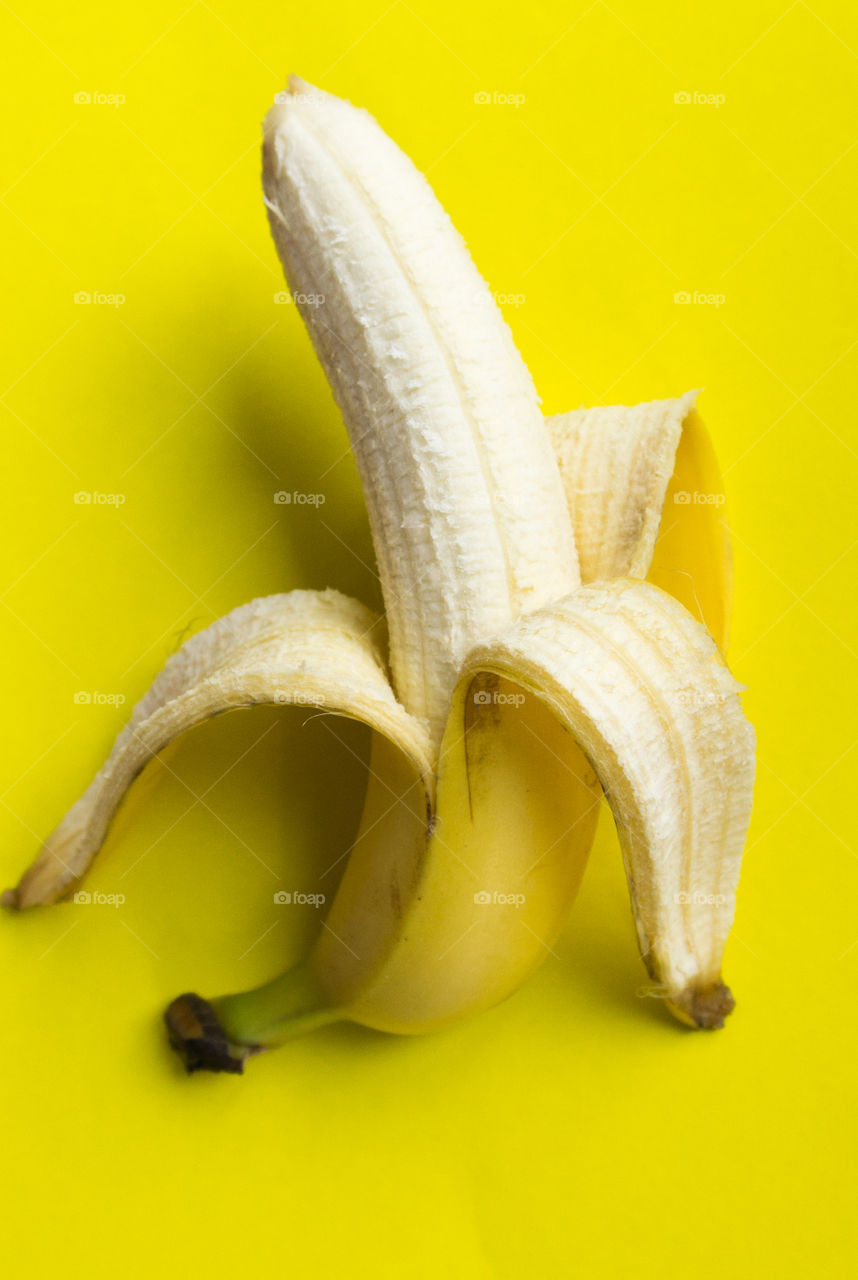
x=465 y=502
x=532 y=667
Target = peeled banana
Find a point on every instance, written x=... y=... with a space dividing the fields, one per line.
x=532 y=667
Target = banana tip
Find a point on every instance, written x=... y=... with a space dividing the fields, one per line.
x=704 y=1007
x=9 y=899
x=198 y=1038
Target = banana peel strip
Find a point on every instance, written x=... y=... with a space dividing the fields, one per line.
x=616 y=462
x=645 y=692
x=306 y=648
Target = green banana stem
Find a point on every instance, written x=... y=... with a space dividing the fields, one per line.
x=220 y=1035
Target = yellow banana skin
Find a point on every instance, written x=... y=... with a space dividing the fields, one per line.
x=693 y=559
x=439 y=915
x=517 y=808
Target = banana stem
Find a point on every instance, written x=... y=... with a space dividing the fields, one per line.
x=220 y=1035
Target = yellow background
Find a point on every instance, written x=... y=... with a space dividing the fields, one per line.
x=574 y=1130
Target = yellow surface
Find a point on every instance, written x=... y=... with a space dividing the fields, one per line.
x=574 y=1130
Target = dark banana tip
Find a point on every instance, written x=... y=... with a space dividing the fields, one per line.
x=9 y=898
x=199 y=1039
x=705 y=1007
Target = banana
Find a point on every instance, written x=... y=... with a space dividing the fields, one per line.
x=516 y=695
